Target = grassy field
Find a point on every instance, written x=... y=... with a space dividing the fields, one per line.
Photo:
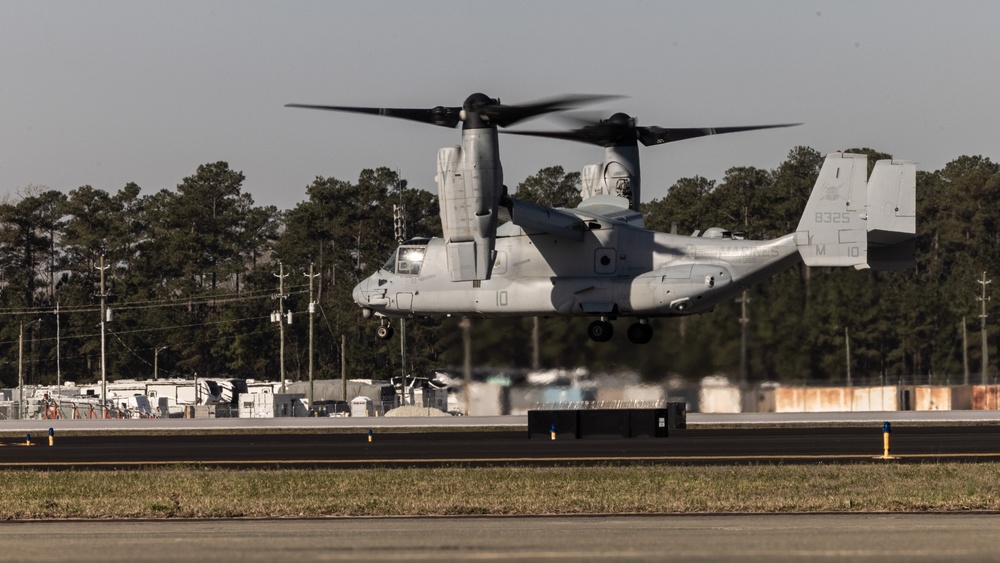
x=206 y=493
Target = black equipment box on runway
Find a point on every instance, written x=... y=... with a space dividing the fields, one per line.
x=606 y=423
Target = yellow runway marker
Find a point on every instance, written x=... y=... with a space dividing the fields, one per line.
x=886 y=429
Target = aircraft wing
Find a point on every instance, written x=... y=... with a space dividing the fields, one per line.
x=545 y=219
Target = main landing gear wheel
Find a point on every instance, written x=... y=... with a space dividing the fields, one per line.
x=600 y=331
x=640 y=333
x=383 y=332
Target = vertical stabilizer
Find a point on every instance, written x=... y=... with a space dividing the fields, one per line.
x=832 y=230
x=892 y=216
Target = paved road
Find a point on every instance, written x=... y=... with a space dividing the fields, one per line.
x=798 y=537
x=694 y=420
x=394 y=449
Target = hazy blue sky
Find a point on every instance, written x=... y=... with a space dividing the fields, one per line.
x=106 y=93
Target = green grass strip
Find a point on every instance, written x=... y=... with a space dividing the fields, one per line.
x=190 y=492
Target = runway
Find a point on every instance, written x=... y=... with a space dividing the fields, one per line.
x=873 y=419
x=781 y=537
x=749 y=537
x=400 y=448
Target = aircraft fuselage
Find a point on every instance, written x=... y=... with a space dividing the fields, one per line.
x=616 y=269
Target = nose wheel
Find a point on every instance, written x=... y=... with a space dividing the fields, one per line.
x=384 y=331
x=600 y=331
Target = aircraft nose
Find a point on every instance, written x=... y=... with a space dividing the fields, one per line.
x=359 y=292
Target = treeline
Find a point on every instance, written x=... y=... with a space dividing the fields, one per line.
x=191 y=279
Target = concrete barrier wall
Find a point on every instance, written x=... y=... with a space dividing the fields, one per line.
x=646 y=393
x=488 y=399
x=984 y=397
x=828 y=399
x=877 y=398
x=961 y=397
x=932 y=398
x=722 y=399
x=790 y=399
x=768 y=397
x=834 y=399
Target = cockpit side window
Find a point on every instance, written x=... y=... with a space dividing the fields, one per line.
x=409 y=260
x=390 y=264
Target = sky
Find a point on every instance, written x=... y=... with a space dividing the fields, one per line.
x=104 y=93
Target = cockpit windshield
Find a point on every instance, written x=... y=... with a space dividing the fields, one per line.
x=410 y=259
x=407 y=259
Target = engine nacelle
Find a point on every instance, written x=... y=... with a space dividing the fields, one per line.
x=470 y=185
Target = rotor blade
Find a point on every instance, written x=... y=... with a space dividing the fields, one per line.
x=617 y=130
x=589 y=135
x=442 y=116
x=505 y=116
x=659 y=135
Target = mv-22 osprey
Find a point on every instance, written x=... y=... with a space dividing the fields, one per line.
x=597 y=260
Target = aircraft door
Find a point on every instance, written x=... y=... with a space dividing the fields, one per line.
x=605 y=261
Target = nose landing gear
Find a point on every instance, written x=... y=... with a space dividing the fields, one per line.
x=384 y=330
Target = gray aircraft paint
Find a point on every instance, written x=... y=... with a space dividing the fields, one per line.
x=618 y=268
x=598 y=260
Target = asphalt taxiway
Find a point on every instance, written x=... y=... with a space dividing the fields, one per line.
x=782 y=537
x=431 y=448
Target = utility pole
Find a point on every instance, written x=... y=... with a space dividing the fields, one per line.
x=402 y=360
x=847 y=347
x=312 y=312
x=156 y=361
x=744 y=321
x=399 y=229
x=982 y=326
x=58 y=363
x=466 y=325
x=965 y=352
x=280 y=319
x=20 y=370
x=536 y=361
x=104 y=315
x=343 y=368
x=20 y=374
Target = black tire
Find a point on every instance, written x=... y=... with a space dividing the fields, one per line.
x=640 y=333
x=600 y=331
x=384 y=332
